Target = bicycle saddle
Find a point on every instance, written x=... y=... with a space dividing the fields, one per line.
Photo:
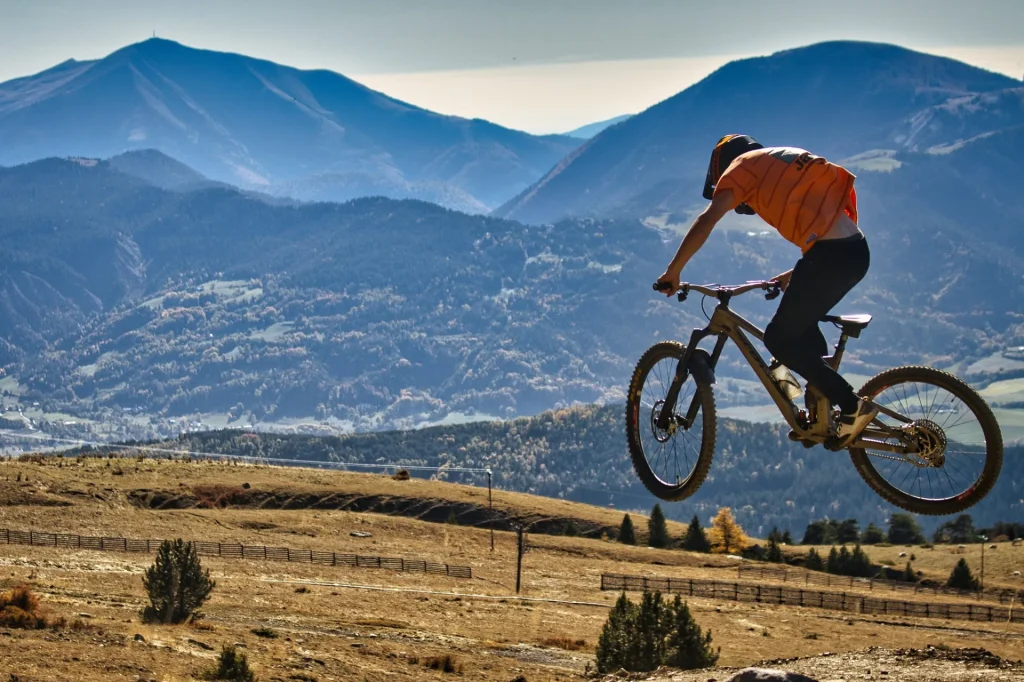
x=852 y=324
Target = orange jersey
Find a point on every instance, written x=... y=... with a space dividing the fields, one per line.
x=794 y=191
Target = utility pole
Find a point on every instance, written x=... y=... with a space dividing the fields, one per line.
x=984 y=539
x=490 y=508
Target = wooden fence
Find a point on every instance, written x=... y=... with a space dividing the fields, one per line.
x=793 y=596
x=805 y=577
x=232 y=551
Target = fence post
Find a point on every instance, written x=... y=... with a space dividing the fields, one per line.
x=218 y=549
x=691 y=586
x=801 y=597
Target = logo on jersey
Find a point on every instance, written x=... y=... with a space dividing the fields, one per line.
x=799 y=157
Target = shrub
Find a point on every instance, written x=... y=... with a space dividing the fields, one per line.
x=176 y=584
x=774 y=553
x=232 y=665
x=569 y=529
x=265 y=632
x=566 y=643
x=402 y=475
x=872 y=535
x=19 y=608
x=446 y=664
x=814 y=561
x=641 y=638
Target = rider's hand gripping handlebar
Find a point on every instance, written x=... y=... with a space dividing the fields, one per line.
x=772 y=288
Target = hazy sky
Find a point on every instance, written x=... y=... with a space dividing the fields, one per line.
x=539 y=65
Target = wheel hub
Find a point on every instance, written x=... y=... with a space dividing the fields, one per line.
x=929 y=441
x=662 y=435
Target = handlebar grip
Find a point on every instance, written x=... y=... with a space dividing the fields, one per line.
x=661 y=286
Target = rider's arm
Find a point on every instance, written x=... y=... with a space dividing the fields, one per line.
x=783 y=279
x=698 y=233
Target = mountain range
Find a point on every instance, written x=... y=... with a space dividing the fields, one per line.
x=140 y=290
x=837 y=99
x=312 y=135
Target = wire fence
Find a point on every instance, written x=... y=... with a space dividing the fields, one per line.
x=1006 y=596
x=232 y=551
x=793 y=596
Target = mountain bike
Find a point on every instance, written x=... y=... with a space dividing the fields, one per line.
x=934 y=447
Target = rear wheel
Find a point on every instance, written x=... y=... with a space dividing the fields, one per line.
x=671 y=462
x=959 y=448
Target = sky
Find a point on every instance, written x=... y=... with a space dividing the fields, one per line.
x=536 y=65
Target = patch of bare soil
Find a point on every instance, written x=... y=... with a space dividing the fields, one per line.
x=898 y=665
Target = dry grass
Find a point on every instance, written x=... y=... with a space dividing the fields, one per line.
x=336 y=629
x=937 y=562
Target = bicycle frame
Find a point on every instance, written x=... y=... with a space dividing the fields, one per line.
x=725 y=324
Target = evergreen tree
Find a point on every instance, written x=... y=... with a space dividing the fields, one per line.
x=787 y=539
x=818 y=533
x=657 y=529
x=961 y=577
x=688 y=647
x=814 y=562
x=726 y=534
x=834 y=563
x=176 y=584
x=872 y=535
x=961 y=529
x=627 y=535
x=859 y=564
x=617 y=646
x=847 y=531
x=570 y=530
x=696 y=540
x=774 y=553
x=655 y=633
x=904 y=530
x=908 y=574
x=651 y=629
x=232 y=666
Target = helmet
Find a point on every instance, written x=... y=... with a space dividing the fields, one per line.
x=726 y=151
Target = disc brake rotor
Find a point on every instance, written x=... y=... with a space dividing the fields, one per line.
x=662 y=435
x=930 y=442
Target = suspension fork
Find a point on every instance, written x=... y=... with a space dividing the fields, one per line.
x=682 y=374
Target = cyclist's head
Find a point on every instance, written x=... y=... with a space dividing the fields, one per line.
x=725 y=152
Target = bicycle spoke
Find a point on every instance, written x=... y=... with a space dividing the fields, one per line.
x=953 y=443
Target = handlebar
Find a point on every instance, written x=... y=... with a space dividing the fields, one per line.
x=719 y=291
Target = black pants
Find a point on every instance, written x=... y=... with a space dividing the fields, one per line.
x=820 y=279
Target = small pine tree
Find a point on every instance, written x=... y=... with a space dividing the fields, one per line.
x=232 y=665
x=627 y=535
x=726 y=534
x=834 y=563
x=859 y=564
x=570 y=529
x=651 y=629
x=616 y=647
x=774 y=553
x=452 y=521
x=657 y=529
x=787 y=539
x=696 y=540
x=961 y=577
x=908 y=574
x=644 y=637
x=872 y=535
x=814 y=562
x=176 y=584
x=688 y=647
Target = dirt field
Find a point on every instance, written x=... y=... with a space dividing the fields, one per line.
x=339 y=623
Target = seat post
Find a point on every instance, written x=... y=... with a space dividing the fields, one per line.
x=840 y=348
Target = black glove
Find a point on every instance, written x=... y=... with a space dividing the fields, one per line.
x=743 y=209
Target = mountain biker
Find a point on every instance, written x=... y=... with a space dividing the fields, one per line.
x=813 y=204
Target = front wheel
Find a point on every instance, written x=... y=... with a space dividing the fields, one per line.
x=671 y=460
x=957 y=445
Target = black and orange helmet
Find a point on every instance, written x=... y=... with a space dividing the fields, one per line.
x=725 y=152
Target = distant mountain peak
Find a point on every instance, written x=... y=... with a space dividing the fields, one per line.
x=251 y=122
